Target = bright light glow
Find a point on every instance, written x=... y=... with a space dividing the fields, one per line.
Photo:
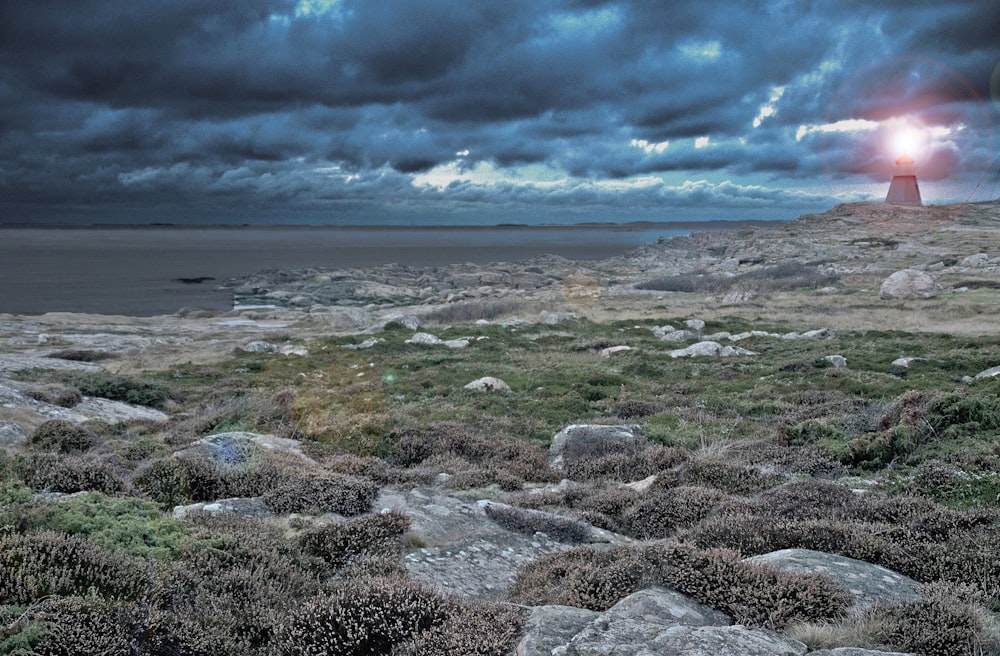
x=908 y=141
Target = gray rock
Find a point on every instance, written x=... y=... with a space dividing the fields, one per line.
x=579 y=441
x=348 y=319
x=294 y=349
x=611 y=350
x=11 y=434
x=259 y=347
x=856 y=651
x=695 y=325
x=239 y=449
x=488 y=384
x=636 y=621
x=368 y=343
x=904 y=362
x=992 y=372
x=425 y=339
x=737 y=298
x=909 y=283
x=550 y=627
x=236 y=507
x=680 y=640
x=837 y=361
x=709 y=348
x=870 y=584
x=558 y=527
x=679 y=336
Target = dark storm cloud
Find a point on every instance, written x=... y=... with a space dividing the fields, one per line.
x=300 y=105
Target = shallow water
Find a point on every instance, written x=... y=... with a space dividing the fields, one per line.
x=136 y=270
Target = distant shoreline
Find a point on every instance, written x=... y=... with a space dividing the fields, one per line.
x=629 y=226
x=146 y=270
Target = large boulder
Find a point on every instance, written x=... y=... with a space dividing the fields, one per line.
x=909 y=283
x=579 y=441
x=870 y=584
x=551 y=627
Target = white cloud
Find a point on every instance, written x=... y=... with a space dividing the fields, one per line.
x=769 y=108
x=649 y=147
x=701 y=142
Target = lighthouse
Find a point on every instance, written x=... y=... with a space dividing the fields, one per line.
x=903 y=188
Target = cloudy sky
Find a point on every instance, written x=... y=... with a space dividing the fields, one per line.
x=444 y=111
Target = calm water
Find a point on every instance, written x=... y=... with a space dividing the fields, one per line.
x=135 y=270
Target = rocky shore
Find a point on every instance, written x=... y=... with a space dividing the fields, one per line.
x=618 y=530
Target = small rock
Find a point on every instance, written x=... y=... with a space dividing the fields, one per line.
x=259 y=347
x=294 y=349
x=643 y=485
x=904 y=362
x=236 y=507
x=695 y=325
x=424 y=338
x=992 y=372
x=488 y=384
x=368 y=343
x=837 y=361
x=456 y=343
x=611 y=350
x=709 y=348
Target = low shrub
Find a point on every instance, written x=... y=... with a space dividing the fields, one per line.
x=367 y=536
x=123 y=388
x=472 y=629
x=660 y=515
x=78 y=625
x=468 y=312
x=61 y=436
x=82 y=355
x=53 y=472
x=597 y=579
x=521 y=520
x=362 y=617
x=65 y=396
x=937 y=624
x=42 y=563
x=345 y=495
x=727 y=477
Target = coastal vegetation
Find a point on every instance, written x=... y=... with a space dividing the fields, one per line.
x=750 y=453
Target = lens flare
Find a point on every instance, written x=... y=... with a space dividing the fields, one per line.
x=908 y=140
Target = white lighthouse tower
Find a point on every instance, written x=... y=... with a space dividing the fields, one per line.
x=903 y=188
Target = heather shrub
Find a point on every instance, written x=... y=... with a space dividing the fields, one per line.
x=585 y=577
x=370 y=535
x=362 y=617
x=165 y=481
x=725 y=476
x=123 y=388
x=520 y=460
x=660 y=515
x=808 y=499
x=521 y=520
x=69 y=626
x=751 y=594
x=873 y=451
x=937 y=624
x=65 y=396
x=345 y=495
x=42 y=563
x=53 y=472
x=249 y=596
x=61 y=436
x=82 y=355
x=597 y=579
x=468 y=312
x=624 y=466
x=473 y=628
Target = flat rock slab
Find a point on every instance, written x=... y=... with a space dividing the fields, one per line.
x=637 y=621
x=466 y=551
x=857 y=651
x=870 y=584
x=700 y=641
